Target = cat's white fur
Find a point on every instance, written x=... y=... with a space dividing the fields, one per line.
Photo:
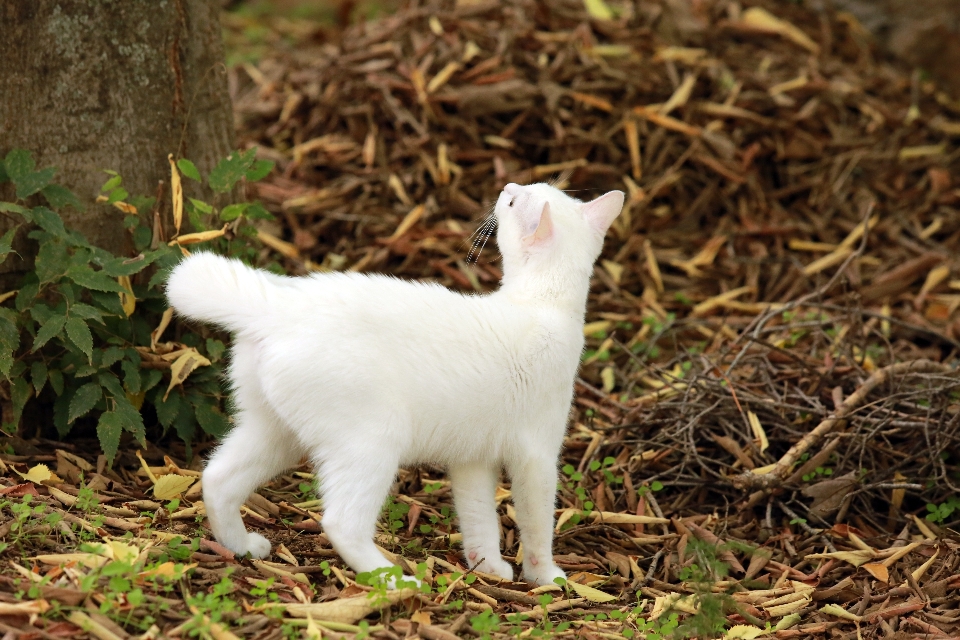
x=366 y=373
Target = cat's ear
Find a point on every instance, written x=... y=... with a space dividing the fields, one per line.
x=601 y=213
x=543 y=230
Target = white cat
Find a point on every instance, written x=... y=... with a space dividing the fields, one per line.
x=365 y=373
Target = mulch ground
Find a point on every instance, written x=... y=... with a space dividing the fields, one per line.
x=766 y=430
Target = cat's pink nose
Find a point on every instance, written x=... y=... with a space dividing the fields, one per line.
x=512 y=189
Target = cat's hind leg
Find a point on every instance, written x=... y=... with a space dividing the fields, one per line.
x=257 y=449
x=354 y=483
x=474 y=490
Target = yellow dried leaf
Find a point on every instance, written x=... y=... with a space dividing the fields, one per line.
x=408 y=221
x=840 y=612
x=615 y=269
x=183 y=366
x=680 y=96
x=592 y=101
x=423 y=617
x=28 y=608
x=442 y=76
x=598 y=9
x=158 y=332
x=877 y=570
x=856 y=558
x=762 y=470
x=758 y=431
x=787 y=622
x=171 y=485
x=88 y=560
x=788 y=607
x=121 y=552
x=615 y=517
x=764 y=20
x=348 y=610
x=912 y=153
x=593 y=327
x=200 y=236
x=591 y=594
x=127 y=299
x=176 y=190
x=126 y=207
x=922 y=569
x=280 y=246
x=934 y=278
x=712 y=303
x=564 y=517
x=41 y=474
x=686 y=55
x=743 y=632
x=653 y=268
x=609 y=379
x=897 y=552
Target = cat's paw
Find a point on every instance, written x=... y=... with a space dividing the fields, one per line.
x=496 y=567
x=543 y=574
x=257 y=546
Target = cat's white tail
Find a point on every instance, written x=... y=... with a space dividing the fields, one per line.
x=224 y=291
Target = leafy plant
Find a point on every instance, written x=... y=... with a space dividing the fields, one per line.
x=940 y=513
x=79 y=335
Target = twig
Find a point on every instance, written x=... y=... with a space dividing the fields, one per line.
x=775 y=477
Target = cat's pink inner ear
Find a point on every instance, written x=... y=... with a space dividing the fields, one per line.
x=544 y=230
x=601 y=213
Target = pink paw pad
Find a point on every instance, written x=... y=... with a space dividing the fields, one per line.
x=473 y=555
x=534 y=561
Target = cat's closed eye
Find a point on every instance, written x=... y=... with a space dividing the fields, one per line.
x=512 y=200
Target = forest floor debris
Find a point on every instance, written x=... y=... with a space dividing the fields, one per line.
x=765 y=430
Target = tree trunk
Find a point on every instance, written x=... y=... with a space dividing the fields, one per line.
x=119 y=84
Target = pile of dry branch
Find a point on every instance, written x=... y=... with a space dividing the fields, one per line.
x=770 y=391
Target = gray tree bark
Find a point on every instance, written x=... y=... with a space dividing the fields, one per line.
x=88 y=85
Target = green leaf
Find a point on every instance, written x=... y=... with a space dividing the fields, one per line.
x=9 y=333
x=59 y=197
x=6 y=243
x=90 y=279
x=38 y=375
x=117 y=195
x=56 y=381
x=6 y=361
x=19 y=166
x=3 y=173
x=167 y=410
x=131 y=376
x=85 y=399
x=210 y=419
x=132 y=421
x=112 y=385
x=109 y=430
x=129 y=266
x=255 y=211
x=110 y=356
x=112 y=183
x=188 y=169
x=232 y=211
x=35 y=182
x=229 y=170
x=20 y=391
x=201 y=206
x=50 y=222
x=79 y=334
x=49 y=329
x=151 y=379
x=52 y=260
x=9 y=207
x=259 y=170
x=215 y=349
x=85 y=311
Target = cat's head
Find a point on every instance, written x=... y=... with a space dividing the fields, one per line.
x=541 y=228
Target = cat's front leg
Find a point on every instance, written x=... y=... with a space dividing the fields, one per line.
x=474 y=491
x=534 y=488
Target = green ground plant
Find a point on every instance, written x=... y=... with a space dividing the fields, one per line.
x=74 y=336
